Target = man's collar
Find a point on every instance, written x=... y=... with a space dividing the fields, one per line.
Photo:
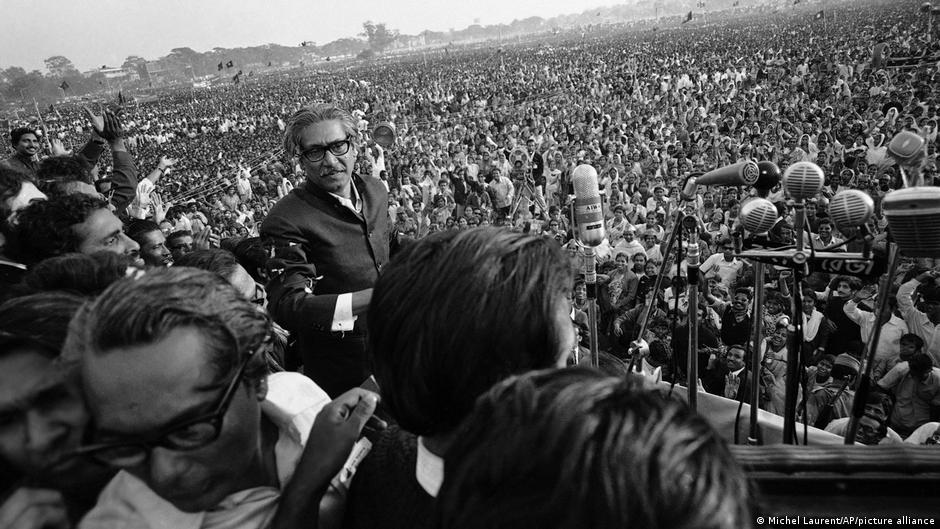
x=354 y=183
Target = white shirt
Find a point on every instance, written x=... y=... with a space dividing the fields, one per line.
x=429 y=470
x=726 y=271
x=343 y=318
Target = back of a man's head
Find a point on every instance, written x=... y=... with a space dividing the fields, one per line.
x=65 y=174
x=574 y=448
x=444 y=323
x=46 y=228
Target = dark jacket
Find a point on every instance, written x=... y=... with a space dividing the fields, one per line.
x=324 y=250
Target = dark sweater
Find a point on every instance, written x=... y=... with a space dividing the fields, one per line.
x=385 y=492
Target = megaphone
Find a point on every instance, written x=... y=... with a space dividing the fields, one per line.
x=384 y=134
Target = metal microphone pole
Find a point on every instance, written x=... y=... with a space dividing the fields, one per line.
x=640 y=344
x=752 y=438
x=861 y=394
x=690 y=223
x=590 y=282
x=795 y=350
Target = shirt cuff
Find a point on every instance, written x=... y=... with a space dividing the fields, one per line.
x=343 y=319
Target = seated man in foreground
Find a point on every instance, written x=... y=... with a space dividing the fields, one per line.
x=173 y=369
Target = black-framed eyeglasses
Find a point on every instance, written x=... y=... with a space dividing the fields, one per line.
x=318 y=152
x=261 y=295
x=191 y=434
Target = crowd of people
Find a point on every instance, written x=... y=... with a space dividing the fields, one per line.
x=235 y=307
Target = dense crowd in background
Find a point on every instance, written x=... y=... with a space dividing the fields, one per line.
x=490 y=138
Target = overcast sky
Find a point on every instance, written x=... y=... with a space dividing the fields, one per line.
x=96 y=32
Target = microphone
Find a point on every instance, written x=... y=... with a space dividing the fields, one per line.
x=850 y=209
x=768 y=177
x=739 y=174
x=689 y=187
x=758 y=215
x=588 y=214
x=914 y=220
x=909 y=151
x=803 y=180
x=906 y=147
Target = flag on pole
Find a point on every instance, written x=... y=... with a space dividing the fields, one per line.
x=64 y=85
x=229 y=64
x=687 y=17
x=820 y=15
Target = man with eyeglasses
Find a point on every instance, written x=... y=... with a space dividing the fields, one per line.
x=181 y=401
x=332 y=237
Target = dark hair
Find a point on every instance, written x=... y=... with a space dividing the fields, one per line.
x=574 y=448
x=137 y=228
x=911 y=337
x=11 y=182
x=80 y=274
x=144 y=310
x=56 y=172
x=177 y=234
x=216 y=260
x=920 y=363
x=46 y=228
x=444 y=323
x=19 y=132
x=39 y=322
x=853 y=282
x=743 y=290
x=253 y=254
x=828 y=358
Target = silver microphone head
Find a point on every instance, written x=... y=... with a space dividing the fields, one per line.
x=803 y=180
x=584 y=181
x=758 y=215
x=851 y=208
x=907 y=148
x=914 y=220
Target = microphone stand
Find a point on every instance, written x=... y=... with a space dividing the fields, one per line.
x=688 y=193
x=864 y=387
x=795 y=350
x=752 y=437
x=590 y=282
x=640 y=344
x=693 y=256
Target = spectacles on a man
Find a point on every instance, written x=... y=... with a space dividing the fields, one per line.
x=261 y=295
x=187 y=435
x=317 y=153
